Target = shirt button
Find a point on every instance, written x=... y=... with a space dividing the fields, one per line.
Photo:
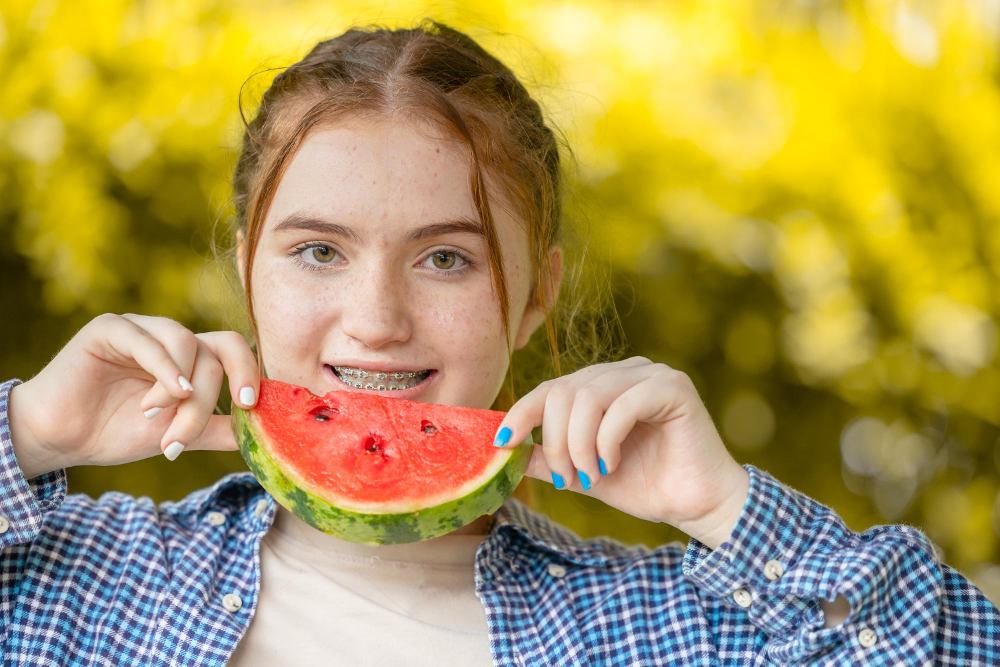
x=773 y=570
x=4 y=524
x=232 y=602
x=557 y=570
x=742 y=597
x=867 y=637
x=261 y=507
x=215 y=518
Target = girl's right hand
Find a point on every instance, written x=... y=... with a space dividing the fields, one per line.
x=94 y=403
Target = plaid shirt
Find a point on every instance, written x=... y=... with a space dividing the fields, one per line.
x=123 y=581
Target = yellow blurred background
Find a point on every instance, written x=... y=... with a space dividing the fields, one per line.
x=799 y=201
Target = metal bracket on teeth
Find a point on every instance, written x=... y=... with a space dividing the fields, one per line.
x=381 y=387
x=380 y=375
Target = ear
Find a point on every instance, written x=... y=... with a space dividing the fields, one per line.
x=534 y=314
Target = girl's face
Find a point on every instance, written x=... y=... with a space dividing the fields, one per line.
x=369 y=258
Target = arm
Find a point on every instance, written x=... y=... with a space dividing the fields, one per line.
x=769 y=553
x=788 y=554
x=83 y=579
x=23 y=502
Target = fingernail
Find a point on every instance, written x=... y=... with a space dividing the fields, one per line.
x=152 y=412
x=557 y=480
x=584 y=480
x=502 y=437
x=184 y=383
x=173 y=450
x=247 y=396
x=602 y=466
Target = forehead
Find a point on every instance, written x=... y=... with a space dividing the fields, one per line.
x=375 y=171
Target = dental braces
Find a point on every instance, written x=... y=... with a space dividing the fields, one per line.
x=362 y=374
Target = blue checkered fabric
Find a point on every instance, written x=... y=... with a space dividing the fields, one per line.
x=124 y=581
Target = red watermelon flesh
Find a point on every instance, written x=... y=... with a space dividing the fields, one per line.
x=373 y=468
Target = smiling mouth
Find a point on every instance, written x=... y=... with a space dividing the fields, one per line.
x=380 y=380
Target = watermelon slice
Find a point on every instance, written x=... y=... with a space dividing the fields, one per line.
x=376 y=469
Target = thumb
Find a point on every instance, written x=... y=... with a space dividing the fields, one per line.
x=537 y=467
x=217 y=436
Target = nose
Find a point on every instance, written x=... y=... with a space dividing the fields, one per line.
x=375 y=310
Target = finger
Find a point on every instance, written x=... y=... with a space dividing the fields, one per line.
x=217 y=435
x=132 y=342
x=555 y=415
x=648 y=400
x=179 y=342
x=523 y=416
x=527 y=412
x=193 y=414
x=585 y=416
x=531 y=411
x=157 y=398
x=589 y=406
x=238 y=362
x=537 y=466
x=588 y=373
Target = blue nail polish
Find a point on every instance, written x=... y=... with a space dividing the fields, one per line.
x=502 y=437
x=584 y=480
x=602 y=466
x=557 y=480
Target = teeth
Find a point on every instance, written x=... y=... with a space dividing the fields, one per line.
x=378 y=375
x=376 y=380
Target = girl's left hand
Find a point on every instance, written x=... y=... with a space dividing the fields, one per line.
x=663 y=457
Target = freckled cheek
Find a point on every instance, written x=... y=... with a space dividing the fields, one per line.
x=470 y=333
x=286 y=315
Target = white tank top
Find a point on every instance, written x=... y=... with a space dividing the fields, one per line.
x=325 y=601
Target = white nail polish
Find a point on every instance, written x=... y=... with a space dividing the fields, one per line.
x=184 y=383
x=152 y=412
x=247 y=396
x=173 y=450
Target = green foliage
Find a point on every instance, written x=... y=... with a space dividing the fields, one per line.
x=798 y=201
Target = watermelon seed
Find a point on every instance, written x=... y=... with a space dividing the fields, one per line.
x=373 y=444
x=427 y=427
x=323 y=413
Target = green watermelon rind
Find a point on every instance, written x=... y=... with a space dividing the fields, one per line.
x=377 y=528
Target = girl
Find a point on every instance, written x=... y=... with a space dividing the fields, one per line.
x=398 y=210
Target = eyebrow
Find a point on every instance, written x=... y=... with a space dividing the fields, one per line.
x=461 y=225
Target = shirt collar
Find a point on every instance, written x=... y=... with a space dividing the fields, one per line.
x=542 y=533
x=513 y=517
x=235 y=490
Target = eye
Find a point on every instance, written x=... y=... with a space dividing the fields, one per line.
x=314 y=255
x=321 y=253
x=449 y=261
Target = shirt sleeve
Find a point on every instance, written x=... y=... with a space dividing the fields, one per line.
x=23 y=502
x=787 y=552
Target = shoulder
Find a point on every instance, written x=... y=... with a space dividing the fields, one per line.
x=538 y=531
x=235 y=494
